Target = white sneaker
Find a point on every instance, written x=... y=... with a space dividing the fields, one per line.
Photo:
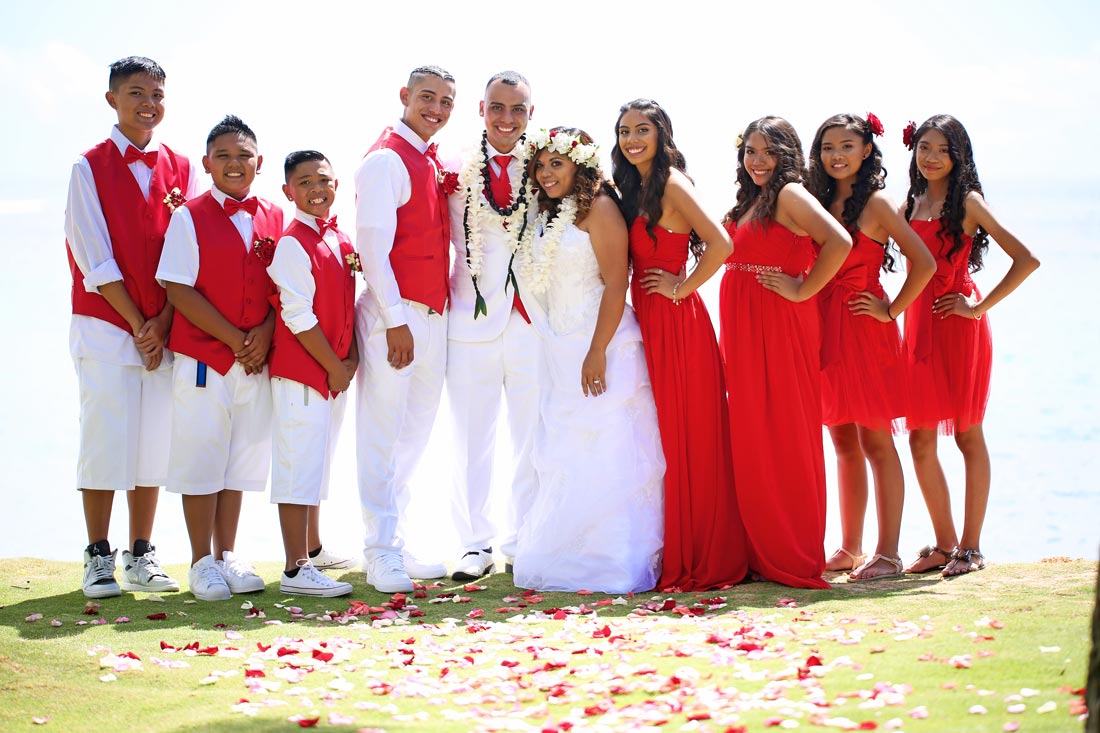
x=473 y=565
x=422 y=569
x=326 y=560
x=143 y=573
x=99 y=576
x=238 y=574
x=206 y=581
x=312 y=582
x=386 y=572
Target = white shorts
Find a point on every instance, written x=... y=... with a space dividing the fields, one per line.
x=303 y=440
x=125 y=423
x=221 y=433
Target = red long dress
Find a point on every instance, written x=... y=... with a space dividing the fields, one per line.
x=704 y=538
x=771 y=349
x=862 y=365
x=949 y=359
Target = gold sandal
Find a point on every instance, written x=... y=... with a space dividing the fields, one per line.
x=857 y=560
x=898 y=565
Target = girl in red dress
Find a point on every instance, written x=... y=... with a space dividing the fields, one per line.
x=704 y=544
x=862 y=365
x=947 y=342
x=770 y=345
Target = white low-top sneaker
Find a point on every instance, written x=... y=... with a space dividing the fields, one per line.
x=386 y=572
x=239 y=574
x=99 y=576
x=144 y=573
x=309 y=581
x=206 y=581
x=422 y=569
x=473 y=565
x=326 y=560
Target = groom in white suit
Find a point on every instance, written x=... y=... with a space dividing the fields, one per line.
x=491 y=344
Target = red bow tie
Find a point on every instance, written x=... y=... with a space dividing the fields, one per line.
x=133 y=155
x=232 y=206
x=323 y=226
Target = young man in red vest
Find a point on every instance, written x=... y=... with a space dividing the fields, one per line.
x=121 y=195
x=313 y=358
x=214 y=267
x=402 y=233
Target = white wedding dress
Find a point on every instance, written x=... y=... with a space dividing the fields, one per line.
x=597 y=520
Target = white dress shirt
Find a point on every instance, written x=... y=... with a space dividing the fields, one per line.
x=90 y=243
x=292 y=272
x=179 y=261
x=382 y=186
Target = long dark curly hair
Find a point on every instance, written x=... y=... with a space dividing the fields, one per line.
x=871 y=176
x=790 y=167
x=643 y=196
x=588 y=183
x=962 y=180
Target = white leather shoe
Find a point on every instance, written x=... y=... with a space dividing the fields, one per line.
x=423 y=569
x=473 y=565
x=386 y=572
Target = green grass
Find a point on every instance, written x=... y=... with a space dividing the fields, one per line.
x=433 y=673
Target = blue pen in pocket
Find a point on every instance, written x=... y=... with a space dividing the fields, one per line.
x=200 y=375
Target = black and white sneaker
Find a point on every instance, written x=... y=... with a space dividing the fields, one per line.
x=143 y=573
x=473 y=565
x=99 y=574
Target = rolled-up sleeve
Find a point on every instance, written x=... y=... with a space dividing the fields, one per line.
x=179 y=260
x=382 y=185
x=292 y=273
x=86 y=230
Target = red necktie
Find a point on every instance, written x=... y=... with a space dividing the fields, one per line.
x=323 y=226
x=133 y=155
x=500 y=185
x=232 y=206
x=432 y=154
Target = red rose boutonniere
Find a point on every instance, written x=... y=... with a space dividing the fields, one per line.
x=354 y=263
x=875 y=124
x=174 y=199
x=264 y=249
x=448 y=181
x=907 y=134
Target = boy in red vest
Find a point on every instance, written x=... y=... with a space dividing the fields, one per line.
x=313 y=358
x=121 y=195
x=214 y=267
x=403 y=235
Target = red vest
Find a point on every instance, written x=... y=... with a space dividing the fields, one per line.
x=136 y=227
x=333 y=304
x=420 y=257
x=232 y=278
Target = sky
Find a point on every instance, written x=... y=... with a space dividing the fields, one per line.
x=1021 y=76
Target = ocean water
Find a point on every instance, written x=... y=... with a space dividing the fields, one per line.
x=1041 y=426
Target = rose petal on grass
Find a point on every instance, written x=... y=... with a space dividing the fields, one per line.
x=977 y=710
x=157 y=616
x=40 y=720
x=1011 y=726
x=122 y=620
x=1050 y=649
x=1047 y=707
x=55 y=622
x=1017 y=708
x=108 y=678
x=33 y=617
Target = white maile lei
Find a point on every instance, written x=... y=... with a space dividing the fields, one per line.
x=535 y=265
x=471 y=179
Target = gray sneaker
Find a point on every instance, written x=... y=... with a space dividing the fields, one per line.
x=99 y=576
x=143 y=573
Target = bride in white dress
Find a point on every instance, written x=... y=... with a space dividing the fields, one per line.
x=596 y=522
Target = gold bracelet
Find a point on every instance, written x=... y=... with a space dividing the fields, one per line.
x=675 y=300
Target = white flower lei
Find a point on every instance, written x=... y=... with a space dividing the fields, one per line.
x=535 y=266
x=471 y=180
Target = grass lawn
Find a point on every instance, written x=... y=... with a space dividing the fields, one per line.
x=1003 y=649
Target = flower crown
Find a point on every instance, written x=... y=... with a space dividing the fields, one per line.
x=563 y=143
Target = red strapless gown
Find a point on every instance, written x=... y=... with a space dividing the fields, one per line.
x=862 y=365
x=704 y=537
x=771 y=348
x=949 y=359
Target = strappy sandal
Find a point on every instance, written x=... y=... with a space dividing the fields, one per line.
x=972 y=559
x=895 y=562
x=926 y=552
x=857 y=560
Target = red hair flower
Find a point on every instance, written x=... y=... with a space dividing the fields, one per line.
x=448 y=180
x=264 y=249
x=875 y=124
x=907 y=134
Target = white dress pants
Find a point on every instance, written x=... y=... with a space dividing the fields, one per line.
x=476 y=374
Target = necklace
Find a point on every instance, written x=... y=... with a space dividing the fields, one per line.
x=481 y=209
x=934 y=209
x=536 y=266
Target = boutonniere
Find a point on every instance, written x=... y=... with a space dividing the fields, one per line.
x=354 y=263
x=264 y=249
x=448 y=181
x=174 y=199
